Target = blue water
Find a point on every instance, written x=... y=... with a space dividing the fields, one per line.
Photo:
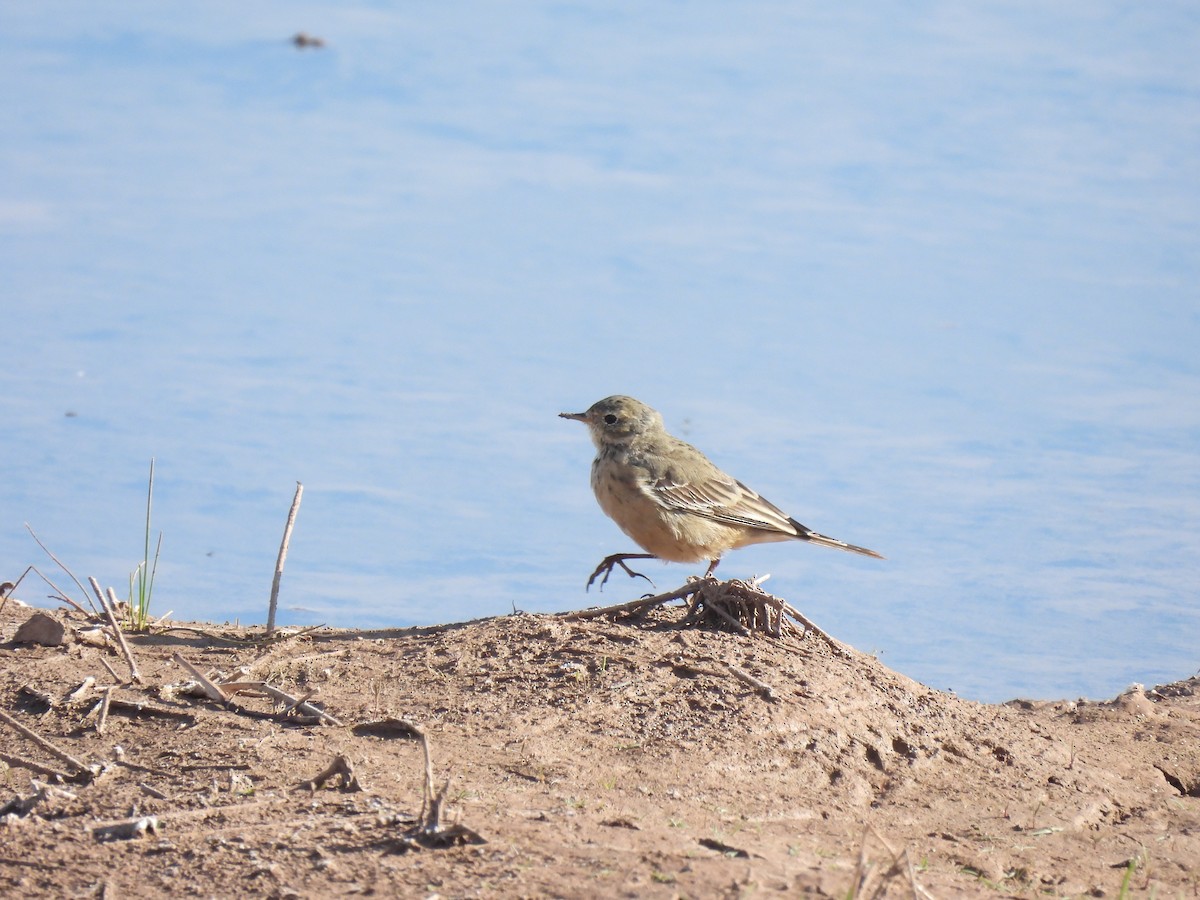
x=927 y=277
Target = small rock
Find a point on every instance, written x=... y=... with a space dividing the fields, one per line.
x=41 y=629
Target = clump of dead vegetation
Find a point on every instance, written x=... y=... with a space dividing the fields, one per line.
x=741 y=606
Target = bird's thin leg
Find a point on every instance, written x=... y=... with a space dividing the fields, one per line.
x=618 y=559
x=712 y=565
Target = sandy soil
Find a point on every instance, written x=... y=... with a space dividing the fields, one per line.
x=592 y=758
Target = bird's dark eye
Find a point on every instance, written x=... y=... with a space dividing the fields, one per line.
x=610 y=419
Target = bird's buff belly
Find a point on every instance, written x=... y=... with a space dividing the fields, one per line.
x=673 y=536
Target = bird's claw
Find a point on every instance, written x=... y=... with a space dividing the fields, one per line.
x=606 y=567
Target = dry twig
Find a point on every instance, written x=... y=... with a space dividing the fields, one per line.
x=632 y=606
x=297 y=704
x=105 y=702
x=46 y=745
x=22 y=806
x=742 y=675
x=741 y=605
x=900 y=865
x=427 y=831
x=340 y=767
x=283 y=549
x=153 y=791
x=12 y=759
x=111 y=670
x=224 y=692
x=209 y=688
x=83 y=688
x=57 y=562
x=110 y=610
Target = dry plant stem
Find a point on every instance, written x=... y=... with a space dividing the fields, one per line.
x=283 y=549
x=50 y=748
x=110 y=610
x=917 y=890
x=102 y=718
x=288 y=710
x=59 y=595
x=433 y=821
x=152 y=791
x=78 y=693
x=298 y=704
x=728 y=619
x=339 y=767
x=427 y=800
x=57 y=562
x=742 y=675
x=111 y=670
x=12 y=759
x=632 y=605
x=809 y=626
x=860 y=871
x=6 y=589
x=213 y=692
x=901 y=864
x=225 y=812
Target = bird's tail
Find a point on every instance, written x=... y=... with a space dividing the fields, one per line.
x=806 y=534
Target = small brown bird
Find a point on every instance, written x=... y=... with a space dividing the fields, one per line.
x=668 y=497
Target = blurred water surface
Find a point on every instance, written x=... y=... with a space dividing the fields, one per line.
x=925 y=276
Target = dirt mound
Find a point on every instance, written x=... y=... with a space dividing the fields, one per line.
x=593 y=757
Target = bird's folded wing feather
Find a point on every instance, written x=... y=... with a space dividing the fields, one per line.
x=722 y=499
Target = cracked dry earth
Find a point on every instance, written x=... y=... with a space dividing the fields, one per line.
x=593 y=757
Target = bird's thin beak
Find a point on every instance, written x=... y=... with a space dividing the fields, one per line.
x=578 y=417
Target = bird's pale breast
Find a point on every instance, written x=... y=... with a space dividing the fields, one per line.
x=623 y=490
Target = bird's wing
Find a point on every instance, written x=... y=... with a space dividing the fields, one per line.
x=721 y=498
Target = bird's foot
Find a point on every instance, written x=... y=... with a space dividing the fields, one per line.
x=618 y=559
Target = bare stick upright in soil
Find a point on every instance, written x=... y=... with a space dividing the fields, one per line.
x=110 y=610
x=283 y=549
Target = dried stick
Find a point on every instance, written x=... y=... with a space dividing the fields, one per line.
x=742 y=675
x=433 y=821
x=407 y=728
x=300 y=701
x=729 y=620
x=298 y=704
x=631 y=606
x=150 y=712
x=43 y=743
x=283 y=549
x=6 y=589
x=78 y=584
x=340 y=766
x=135 y=676
x=225 y=812
x=13 y=760
x=102 y=718
x=213 y=692
x=60 y=594
x=78 y=693
x=809 y=626
x=428 y=811
x=110 y=610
